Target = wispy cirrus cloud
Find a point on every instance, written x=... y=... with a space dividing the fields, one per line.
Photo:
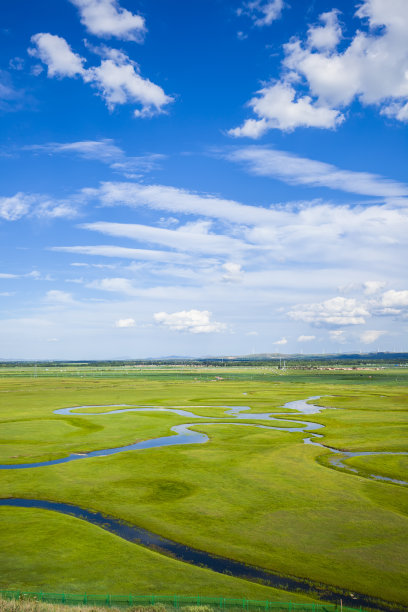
x=296 y=170
x=177 y=200
x=124 y=253
x=192 y=237
x=21 y=205
x=104 y=151
x=11 y=98
x=262 y=12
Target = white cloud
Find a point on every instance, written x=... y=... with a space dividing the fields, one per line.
x=306 y=338
x=55 y=52
x=337 y=335
x=262 y=12
x=123 y=252
x=49 y=209
x=372 y=69
x=279 y=106
x=327 y=36
x=105 y=18
x=22 y=204
x=335 y=311
x=105 y=151
x=232 y=272
x=190 y=237
x=372 y=287
x=58 y=297
x=117 y=78
x=125 y=323
x=114 y=285
x=16 y=63
x=193 y=321
x=394 y=298
x=163 y=197
x=102 y=150
x=119 y=82
x=15 y=207
x=293 y=169
x=282 y=341
x=371 y=335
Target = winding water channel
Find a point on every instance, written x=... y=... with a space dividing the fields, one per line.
x=182 y=434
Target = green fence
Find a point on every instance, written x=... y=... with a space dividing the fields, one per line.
x=173 y=601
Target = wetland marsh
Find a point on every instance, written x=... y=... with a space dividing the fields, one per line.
x=256 y=494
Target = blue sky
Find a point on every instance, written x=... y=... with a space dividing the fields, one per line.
x=202 y=178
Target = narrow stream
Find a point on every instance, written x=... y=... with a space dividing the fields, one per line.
x=199 y=558
x=182 y=434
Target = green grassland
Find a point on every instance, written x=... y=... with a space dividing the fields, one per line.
x=254 y=495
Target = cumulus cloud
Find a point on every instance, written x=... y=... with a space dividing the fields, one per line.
x=327 y=36
x=193 y=321
x=372 y=287
x=335 y=311
x=279 y=106
x=371 y=335
x=55 y=52
x=282 y=341
x=125 y=323
x=293 y=169
x=106 y=19
x=393 y=299
x=372 y=69
x=306 y=338
x=262 y=12
x=117 y=79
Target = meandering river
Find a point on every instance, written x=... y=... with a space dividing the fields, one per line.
x=183 y=434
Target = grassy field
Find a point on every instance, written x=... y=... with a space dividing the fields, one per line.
x=257 y=496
